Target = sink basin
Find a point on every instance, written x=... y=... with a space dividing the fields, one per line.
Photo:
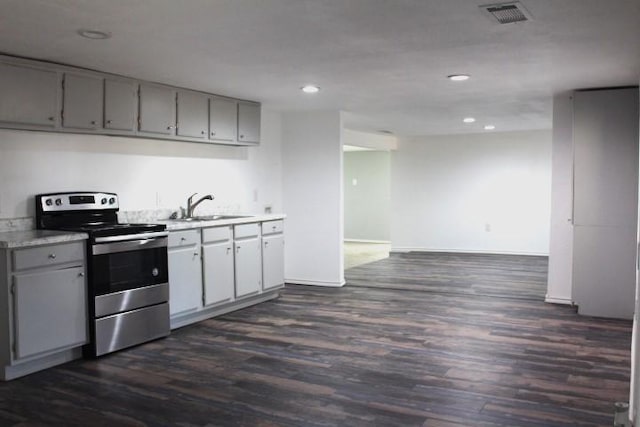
x=209 y=218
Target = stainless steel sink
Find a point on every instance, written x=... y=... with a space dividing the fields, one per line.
x=209 y=218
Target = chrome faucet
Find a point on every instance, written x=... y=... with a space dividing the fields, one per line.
x=192 y=206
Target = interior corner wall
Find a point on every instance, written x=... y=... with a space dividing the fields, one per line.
x=313 y=197
x=487 y=193
x=367 y=195
x=560 y=277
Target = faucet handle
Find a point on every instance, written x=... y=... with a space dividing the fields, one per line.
x=191 y=197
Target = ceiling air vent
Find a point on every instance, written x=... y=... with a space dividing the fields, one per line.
x=506 y=13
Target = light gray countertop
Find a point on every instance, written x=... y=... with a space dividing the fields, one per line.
x=26 y=238
x=175 y=225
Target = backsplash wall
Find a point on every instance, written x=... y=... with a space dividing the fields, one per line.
x=145 y=173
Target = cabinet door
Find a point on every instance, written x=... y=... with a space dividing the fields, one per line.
x=193 y=112
x=157 y=109
x=218 y=272
x=223 y=119
x=272 y=261
x=185 y=279
x=248 y=261
x=82 y=102
x=248 y=122
x=50 y=311
x=120 y=104
x=28 y=96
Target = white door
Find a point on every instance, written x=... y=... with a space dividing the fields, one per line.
x=82 y=105
x=248 y=262
x=193 y=114
x=120 y=102
x=218 y=272
x=157 y=109
x=185 y=279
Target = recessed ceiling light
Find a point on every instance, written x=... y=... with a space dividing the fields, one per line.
x=468 y=120
x=459 y=77
x=94 y=34
x=310 y=89
x=489 y=127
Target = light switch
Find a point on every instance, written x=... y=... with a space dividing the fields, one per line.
x=354 y=182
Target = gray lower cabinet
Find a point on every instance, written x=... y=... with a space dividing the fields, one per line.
x=43 y=301
x=223 y=119
x=185 y=271
x=82 y=101
x=49 y=310
x=248 y=259
x=120 y=104
x=248 y=122
x=218 y=266
x=29 y=96
x=272 y=255
x=157 y=107
x=193 y=114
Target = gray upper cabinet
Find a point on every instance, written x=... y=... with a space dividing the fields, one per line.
x=157 y=109
x=248 y=122
x=223 y=119
x=120 y=104
x=28 y=96
x=193 y=112
x=82 y=101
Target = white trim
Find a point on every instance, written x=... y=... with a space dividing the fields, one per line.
x=557 y=300
x=462 y=251
x=315 y=283
x=367 y=241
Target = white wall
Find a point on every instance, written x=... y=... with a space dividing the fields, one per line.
x=561 y=236
x=369 y=140
x=312 y=197
x=146 y=173
x=367 y=195
x=472 y=193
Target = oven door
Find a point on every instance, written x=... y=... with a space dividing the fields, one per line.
x=121 y=263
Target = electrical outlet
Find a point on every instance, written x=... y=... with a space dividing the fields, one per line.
x=268 y=209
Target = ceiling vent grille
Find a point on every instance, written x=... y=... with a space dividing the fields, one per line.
x=506 y=13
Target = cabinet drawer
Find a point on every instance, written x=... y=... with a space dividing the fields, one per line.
x=43 y=256
x=216 y=234
x=184 y=238
x=243 y=231
x=271 y=227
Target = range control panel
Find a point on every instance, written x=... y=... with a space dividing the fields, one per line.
x=77 y=201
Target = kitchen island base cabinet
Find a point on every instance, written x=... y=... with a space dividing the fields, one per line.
x=43 y=301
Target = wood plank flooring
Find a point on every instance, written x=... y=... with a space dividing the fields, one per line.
x=352 y=356
x=516 y=276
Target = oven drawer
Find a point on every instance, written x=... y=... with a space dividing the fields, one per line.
x=184 y=238
x=272 y=227
x=118 y=302
x=43 y=256
x=133 y=327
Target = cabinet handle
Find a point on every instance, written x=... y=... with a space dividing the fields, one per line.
x=109 y=122
x=228 y=250
x=241 y=136
x=237 y=248
x=196 y=254
x=182 y=239
x=51 y=119
x=80 y=274
x=52 y=256
x=93 y=122
x=203 y=133
x=170 y=127
x=213 y=132
x=266 y=244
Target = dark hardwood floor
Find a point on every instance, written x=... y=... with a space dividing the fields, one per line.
x=353 y=356
x=518 y=276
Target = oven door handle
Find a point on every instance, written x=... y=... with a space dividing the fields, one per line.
x=131 y=237
x=129 y=245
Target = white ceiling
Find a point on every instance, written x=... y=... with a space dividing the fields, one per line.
x=383 y=62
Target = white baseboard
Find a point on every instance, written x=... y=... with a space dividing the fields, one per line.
x=315 y=283
x=366 y=241
x=557 y=300
x=401 y=249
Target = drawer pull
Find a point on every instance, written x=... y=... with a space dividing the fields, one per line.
x=52 y=256
x=183 y=239
x=80 y=274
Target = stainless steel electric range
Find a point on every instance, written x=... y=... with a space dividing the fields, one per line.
x=128 y=288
